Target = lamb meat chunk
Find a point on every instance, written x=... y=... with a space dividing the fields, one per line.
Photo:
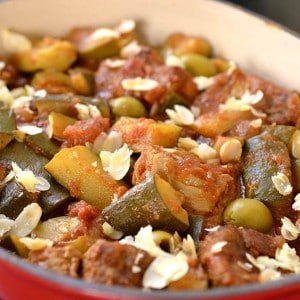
x=280 y=105
x=207 y=188
x=224 y=265
x=146 y=64
x=112 y=263
x=64 y=260
x=258 y=243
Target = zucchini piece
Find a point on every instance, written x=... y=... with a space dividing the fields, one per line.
x=195 y=228
x=14 y=197
x=7 y=126
x=296 y=175
x=64 y=104
x=12 y=243
x=283 y=133
x=140 y=132
x=41 y=144
x=80 y=171
x=58 y=123
x=264 y=157
x=153 y=201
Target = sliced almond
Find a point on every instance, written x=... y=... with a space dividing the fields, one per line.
x=282 y=184
x=139 y=84
x=231 y=151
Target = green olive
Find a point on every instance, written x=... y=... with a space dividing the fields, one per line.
x=249 y=213
x=199 y=65
x=128 y=106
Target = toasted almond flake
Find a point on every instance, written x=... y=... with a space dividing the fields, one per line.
x=114 y=63
x=282 y=184
x=257 y=113
x=6 y=224
x=232 y=67
x=218 y=246
x=195 y=110
x=252 y=98
x=36 y=243
x=27 y=220
x=256 y=123
x=287 y=258
x=109 y=231
x=269 y=274
x=22 y=102
x=245 y=266
x=136 y=269
x=126 y=26
x=296 y=204
x=203 y=82
x=289 y=230
x=213 y=229
x=104 y=34
x=14 y=42
x=181 y=115
x=187 y=143
x=116 y=163
x=296 y=145
x=139 y=84
x=144 y=240
x=244 y=103
x=111 y=142
x=130 y=50
x=165 y=269
x=230 y=151
x=6 y=96
x=205 y=152
x=174 y=61
x=49 y=128
x=7 y=178
x=94 y=164
x=29 y=181
x=87 y=111
x=2 y=65
x=30 y=129
x=188 y=247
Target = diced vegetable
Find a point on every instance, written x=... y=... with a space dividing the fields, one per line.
x=140 y=132
x=48 y=54
x=41 y=144
x=80 y=171
x=154 y=202
x=264 y=157
x=7 y=126
x=14 y=197
x=58 y=123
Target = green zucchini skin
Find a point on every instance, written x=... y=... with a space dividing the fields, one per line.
x=13 y=197
x=264 y=157
x=281 y=132
x=41 y=144
x=142 y=205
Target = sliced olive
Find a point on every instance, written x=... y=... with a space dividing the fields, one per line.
x=199 y=65
x=128 y=106
x=249 y=213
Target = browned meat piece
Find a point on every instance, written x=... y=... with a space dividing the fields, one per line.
x=207 y=188
x=258 y=243
x=225 y=266
x=146 y=64
x=112 y=263
x=85 y=131
x=280 y=105
x=64 y=260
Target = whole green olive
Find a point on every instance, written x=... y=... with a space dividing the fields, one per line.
x=249 y=213
x=128 y=106
x=199 y=65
